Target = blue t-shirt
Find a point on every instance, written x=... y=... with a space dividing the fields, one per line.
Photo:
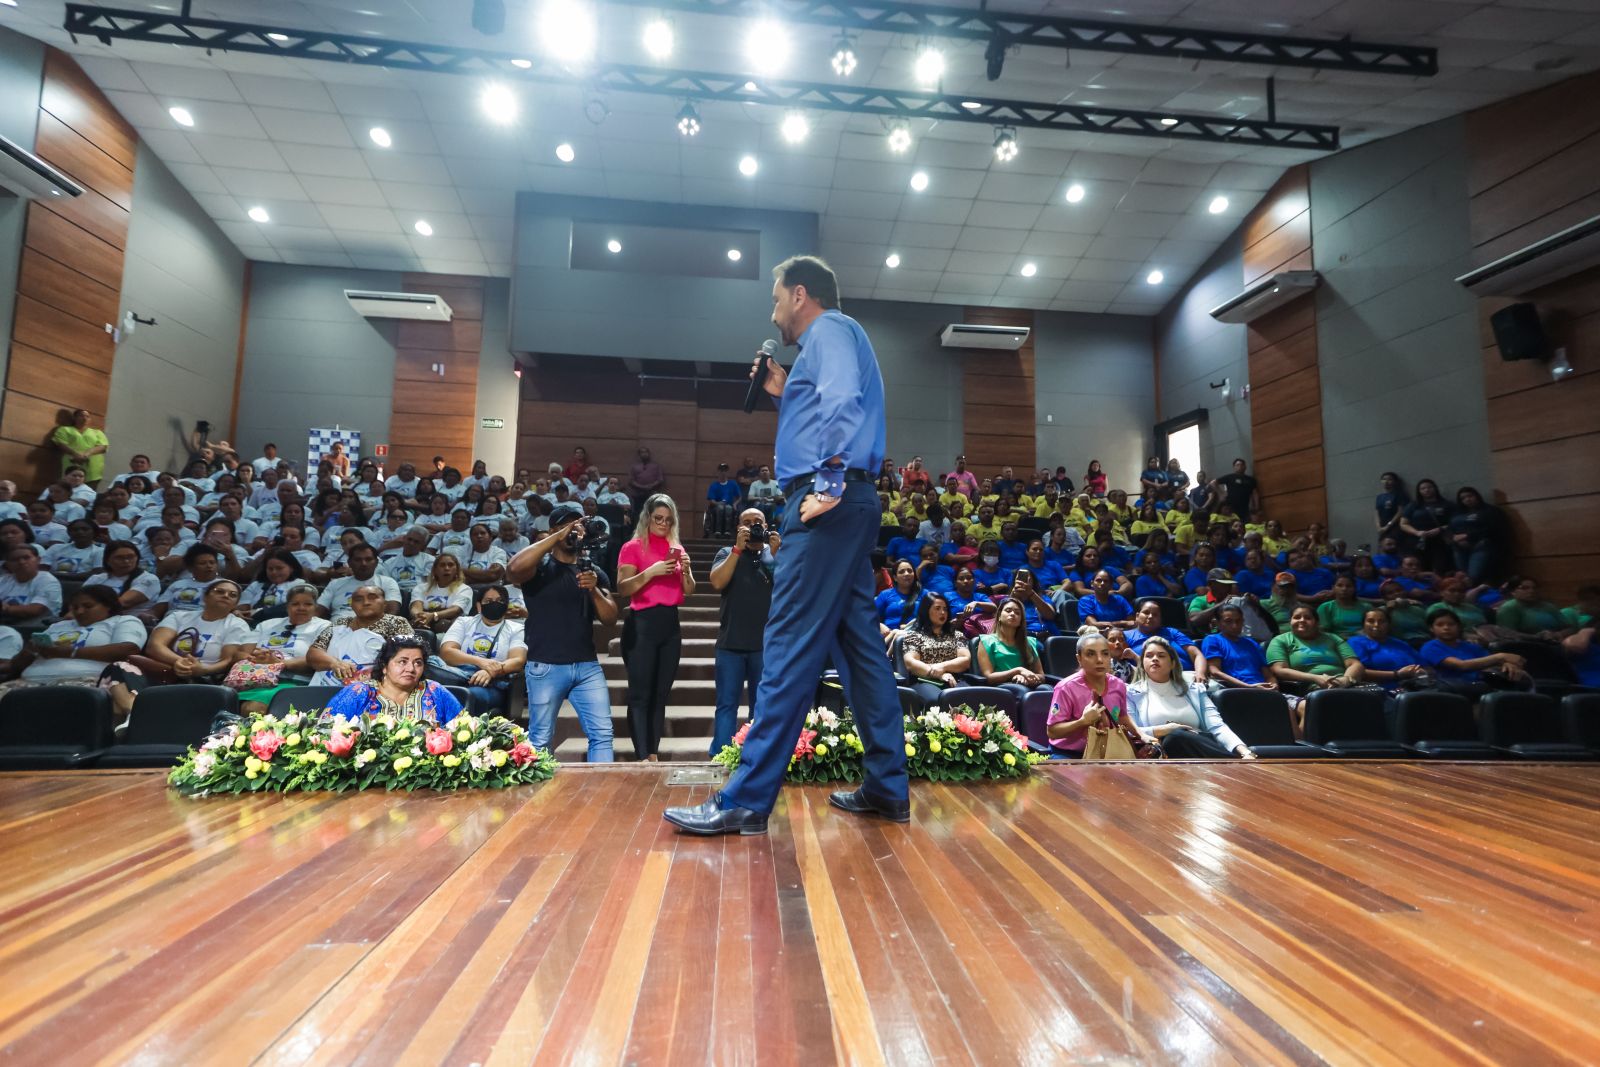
x=1314 y=581
x=1047 y=575
x=724 y=492
x=1241 y=658
x=1411 y=585
x=1063 y=557
x=1013 y=554
x=1115 y=556
x=896 y=611
x=1231 y=558
x=1148 y=586
x=1037 y=625
x=986 y=578
x=900 y=548
x=1194 y=578
x=1367 y=588
x=958 y=604
x=1113 y=607
x=1436 y=652
x=1168 y=559
x=938 y=579
x=1257 y=582
x=1177 y=638
x=1587 y=666
x=1079 y=575
x=1386 y=563
x=1389 y=656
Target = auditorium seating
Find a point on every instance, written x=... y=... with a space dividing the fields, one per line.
x=1261 y=719
x=53 y=728
x=1580 y=718
x=1350 y=723
x=166 y=720
x=1528 y=726
x=1439 y=725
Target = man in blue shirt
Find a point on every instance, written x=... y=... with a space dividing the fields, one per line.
x=830 y=445
x=721 y=499
x=907 y=546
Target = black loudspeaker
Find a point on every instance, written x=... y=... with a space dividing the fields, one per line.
x=1518 y=333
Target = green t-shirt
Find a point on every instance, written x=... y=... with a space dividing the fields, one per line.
x=1529 y=618
x=1471 y=615
x=1338 y=619
x=1002 y=657
x=1411 y=623
x=1280 y=610
x=1325 y=655
x=94 y=468
x=1576 y=618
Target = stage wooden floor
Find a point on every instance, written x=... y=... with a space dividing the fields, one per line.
x=1347 y=913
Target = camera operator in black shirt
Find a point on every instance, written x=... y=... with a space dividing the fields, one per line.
x=743 y=575
x=565 y=593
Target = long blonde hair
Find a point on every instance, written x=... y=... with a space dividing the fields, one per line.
x=431 y=585
x=641 y=529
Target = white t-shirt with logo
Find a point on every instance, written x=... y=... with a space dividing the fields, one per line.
x=144 y=582
x=44 y=589
x=336 y=598
x=204 y=638
x=256 y=595
x=10 y=642
x=451 y=539
x=490 y=556
x=118 y=629
x=359 y=647
x=476 y=636
x=287 y=639
x=437 y=598
x=406 y=570
x=69 y=561
x=185 y=594
x=51 y=533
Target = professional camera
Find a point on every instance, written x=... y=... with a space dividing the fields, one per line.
x=758 y=536
x=588 y=539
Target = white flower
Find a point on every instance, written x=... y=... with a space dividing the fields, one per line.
x=911 y=738
x=479 y=761
x=416 y=750
x=828 y=718
x=831 y=740
x=991 y=747
x=204 y=764
x=293 y=718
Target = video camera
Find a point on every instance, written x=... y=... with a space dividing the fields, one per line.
x=588 y=538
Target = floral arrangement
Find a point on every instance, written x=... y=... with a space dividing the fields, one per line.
x=301 y=752
x=941 y=746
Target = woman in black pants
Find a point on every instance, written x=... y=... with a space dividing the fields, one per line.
x=653 y=572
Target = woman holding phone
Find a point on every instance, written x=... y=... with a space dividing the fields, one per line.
x=653 y=573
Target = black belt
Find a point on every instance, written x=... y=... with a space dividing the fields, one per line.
x=851 y=474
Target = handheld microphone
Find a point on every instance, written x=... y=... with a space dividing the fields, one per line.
x=758 y=383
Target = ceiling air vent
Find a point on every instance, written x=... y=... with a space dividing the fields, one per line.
x=25 y=175
x=1269 y=294
x=964 y=335
x=1556 y=257
x=373 y=305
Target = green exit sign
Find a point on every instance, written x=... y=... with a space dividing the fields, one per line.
x=493 y=424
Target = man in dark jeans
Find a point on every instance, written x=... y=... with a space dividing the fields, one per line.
x=743 y=575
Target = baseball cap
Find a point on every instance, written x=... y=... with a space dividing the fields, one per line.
x=565 y=513
x=1284 y=578
x=1218 y=574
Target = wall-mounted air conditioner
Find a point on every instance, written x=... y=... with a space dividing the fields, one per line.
x=964 y=335
x=26 y=175
x=1549 y=260
x=1269 y=294
x=373 y=305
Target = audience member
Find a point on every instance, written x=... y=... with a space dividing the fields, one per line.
x=1087 y=699
x=742 y=576
x=1178 y=715
x=281 y=645
x=1385 y=660
x=1009 y=657
x=483 y=652
x=348 y=646
x=28 y=596
x=442 y=599
x=645 y=479
x=81 y=445
x=75 y=650
x=1147 y=624
x=933 y=650
x=1467 y=668
x=397 y=686
x=653 y=572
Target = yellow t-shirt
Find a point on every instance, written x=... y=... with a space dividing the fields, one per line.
x=1175 y=519
x=1123 y=514
x=1275 y=545
x=990 y=532
x=889 y=518
x=945 y=496
x=1184 y=536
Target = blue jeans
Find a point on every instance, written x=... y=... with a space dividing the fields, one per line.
x=735 y=671
x=584 y=684
x=487 y=699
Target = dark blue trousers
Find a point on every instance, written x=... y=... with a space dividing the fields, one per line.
x=821 y=610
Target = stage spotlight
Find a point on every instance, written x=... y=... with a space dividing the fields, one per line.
x=929 y=66
x=658 y=39
x=489 y=17
x=796 y=127
x=844 y=56
x=1005 y=144
x=899 y=137
x=688 y=119
x=499 y=104
x=995 y=56
x=567 y=31
x=767 y=46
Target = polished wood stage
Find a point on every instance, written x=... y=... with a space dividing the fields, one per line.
x=1178 y=913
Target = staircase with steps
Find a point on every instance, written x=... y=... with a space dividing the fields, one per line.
x=694 y=697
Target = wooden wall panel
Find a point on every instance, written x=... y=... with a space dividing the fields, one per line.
x=1299 y=391
x=433 y=414
x=416 y=365
x=70 y=276
x=997 y=397
x=1277 y=234
x=1531 y=162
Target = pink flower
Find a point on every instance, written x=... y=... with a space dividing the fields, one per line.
x=439 y=742
x=744 y=732
x=522 y=753
x=971 y=727
x=341 y=742
x=265 y=744
x=804 y=746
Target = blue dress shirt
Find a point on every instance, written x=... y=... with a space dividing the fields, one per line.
x=832 y=404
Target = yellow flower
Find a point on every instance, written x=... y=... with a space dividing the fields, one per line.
x=822 y=750
x=250 y=775
x=1009 y=760
x=969 y=752
x=252 y=764
x=401 y=735
x=239 y=742
x=934 y=745
x=292 y=740
x=498 y=757
x=319 y=758
x=463 y=736
x=451 y=760
x=368 y=755
x=911 y=750
x=402 y=762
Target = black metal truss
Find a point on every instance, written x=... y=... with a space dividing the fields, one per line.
x=1052 y=31
x=112 y=24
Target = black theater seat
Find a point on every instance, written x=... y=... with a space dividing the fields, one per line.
x=1440 y=726
x=1527 y=726
x=1261 y=719
x=1350 y=723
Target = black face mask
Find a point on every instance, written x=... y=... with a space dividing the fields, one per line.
x=493 y=610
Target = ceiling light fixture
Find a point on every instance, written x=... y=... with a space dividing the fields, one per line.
x=919 y=181
x=1155 y=277
x=1005 y=144
x=567 y=30
x=422 y=227
x=565 y=153
x=1075 y=193
x=613 y=246
x=844 y=58
x=522 y=64
x=748 y=166
x=971 y=105
x=994 y=56
x=899 y=137
x=735 y=255
x=1218 y=205
x=499 y=104
x=688 y=119
x=658 y=38
x=259 y=214
x=1029 y=270
x=280 y=37
x=380 y=137
x=181 y=116
x=893 y=261
x=929 y=66
x=1169 y=121
x=796 y=127
x=766 y=46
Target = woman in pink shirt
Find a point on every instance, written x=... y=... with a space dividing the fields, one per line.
x=653 y=573
x=1091 y=697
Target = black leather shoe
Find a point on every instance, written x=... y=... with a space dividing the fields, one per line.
x=859 y=803
x=711 y=818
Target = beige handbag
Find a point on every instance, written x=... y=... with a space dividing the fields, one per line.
x=1107 y=743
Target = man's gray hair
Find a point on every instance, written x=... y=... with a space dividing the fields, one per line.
x=813 y=273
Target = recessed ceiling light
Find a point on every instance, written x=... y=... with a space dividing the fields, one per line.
x=1218 y=205
x=422 y=227
x=971 y=105
x=658 y=40
x=748 y=166
x=270 y=36
x=499 y=104
x=1169 y=121
x=919 y=180
x=766 y=45
x=565 y=153
x=1074 y=193
x=1029 y=270
x=735 y=255
x=796 y=127
x=688 y=119
x=1155 y=277
x=899 y=137
x=893 y=261
x=613 y=246
x=380 y=137
x=259 y=214
x=522 y=64
x=567 y=30
x=929 y=66
x=181 y=116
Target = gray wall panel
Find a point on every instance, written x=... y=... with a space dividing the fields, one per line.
x=21 y=77
x=498 y=387
x=921 y=379
x=1195 y=350
x=1094 y=380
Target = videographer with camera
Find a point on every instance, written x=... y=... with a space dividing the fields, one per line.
x=653 y=573
x=743 y=575
x=564 y=594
